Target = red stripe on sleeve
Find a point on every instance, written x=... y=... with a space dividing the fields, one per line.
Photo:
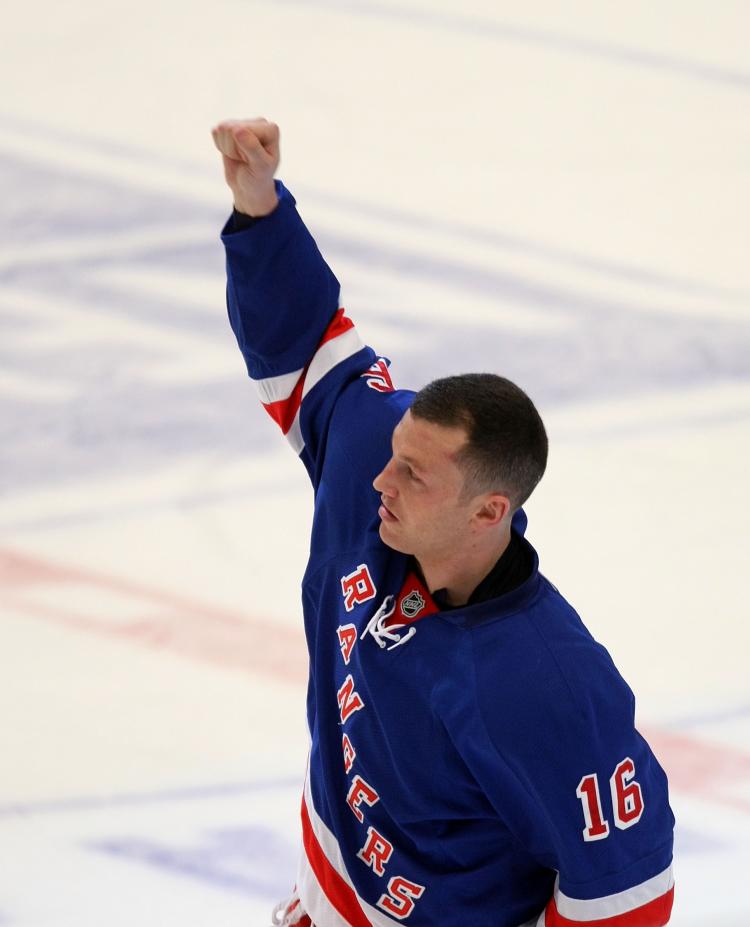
x=339 y=324
x=654 y=914
x=284 y=411
x=339 y=893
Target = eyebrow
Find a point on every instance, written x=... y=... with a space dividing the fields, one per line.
x=412 y=463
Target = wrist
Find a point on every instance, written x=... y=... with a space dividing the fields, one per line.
x=257 y=207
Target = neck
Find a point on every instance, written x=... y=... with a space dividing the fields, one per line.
x=460 y=573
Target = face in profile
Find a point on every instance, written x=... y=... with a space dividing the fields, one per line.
x=423 y=509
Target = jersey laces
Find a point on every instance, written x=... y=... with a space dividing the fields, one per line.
x=376 y=626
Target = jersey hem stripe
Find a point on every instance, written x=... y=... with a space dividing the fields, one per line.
x=646 y=905
x=609 y=906
x=654 y=914
x=326 y=857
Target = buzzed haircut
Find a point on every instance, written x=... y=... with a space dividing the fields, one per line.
x=506 y=449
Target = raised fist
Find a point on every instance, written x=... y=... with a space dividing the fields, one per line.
x=250 y=151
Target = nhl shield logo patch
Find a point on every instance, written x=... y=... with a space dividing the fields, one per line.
x=413 y=604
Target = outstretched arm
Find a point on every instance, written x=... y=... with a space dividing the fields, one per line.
x=302 y=352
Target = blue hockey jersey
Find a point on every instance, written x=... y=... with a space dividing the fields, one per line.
x=477 y=767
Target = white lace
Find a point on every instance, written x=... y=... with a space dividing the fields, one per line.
x=376 y=626
x=287 y=912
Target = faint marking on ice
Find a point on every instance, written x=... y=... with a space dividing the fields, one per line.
x=713 y=717
x=149 y=617
x=31 y=387
x=127 y=245
x=202 y=291
x=82 y=803
x=108 y=511
x=326 y=200
x=694 y=842
x=252 y=860
x=135 y=367
x=492 y=30
x=702 y=768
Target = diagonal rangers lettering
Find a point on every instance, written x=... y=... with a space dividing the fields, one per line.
x=376 y=852
x=360 y=792
x=400 y=898
x=349 y=700
x=357 y=587
x=347 y=639
x=350 y=754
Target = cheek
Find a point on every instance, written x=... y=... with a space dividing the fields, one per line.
x=429 y=510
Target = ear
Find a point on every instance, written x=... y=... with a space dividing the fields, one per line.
x=492 y=509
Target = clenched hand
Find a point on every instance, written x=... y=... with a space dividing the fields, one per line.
x=250 y=151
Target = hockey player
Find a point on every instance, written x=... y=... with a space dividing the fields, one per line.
x=473 y=758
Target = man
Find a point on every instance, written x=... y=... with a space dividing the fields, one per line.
x=473 y=758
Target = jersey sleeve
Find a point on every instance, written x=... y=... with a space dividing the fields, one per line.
x=574 y=781
x=300 y=348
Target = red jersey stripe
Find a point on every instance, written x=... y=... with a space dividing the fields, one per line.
x=339 y=324
x=339 y=893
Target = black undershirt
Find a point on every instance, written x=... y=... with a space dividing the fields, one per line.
x=512 y=569
x=241 y=221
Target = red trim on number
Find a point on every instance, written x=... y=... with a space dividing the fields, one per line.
x=284 y=411
x=340 y=894
x=654 y=914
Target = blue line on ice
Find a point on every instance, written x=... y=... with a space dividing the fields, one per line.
x=97 y=802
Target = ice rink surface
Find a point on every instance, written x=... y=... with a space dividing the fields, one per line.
x=556 y=192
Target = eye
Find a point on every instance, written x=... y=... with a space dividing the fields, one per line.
x=412 y=474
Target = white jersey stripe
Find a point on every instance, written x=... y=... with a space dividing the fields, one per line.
x=294 y=436
x=329 y=355
x=330 y=848
x=313 y=900
x=579 y=909
x=275 y=389
x=281 y=388
x=324 y=836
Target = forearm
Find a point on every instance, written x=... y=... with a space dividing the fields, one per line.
x=281 y=294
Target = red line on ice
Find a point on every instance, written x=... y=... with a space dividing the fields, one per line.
x=159 y=619
x=235 y=640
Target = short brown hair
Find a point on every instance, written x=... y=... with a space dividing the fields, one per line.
x=506 y=448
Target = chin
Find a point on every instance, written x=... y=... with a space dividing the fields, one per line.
x=394 y=543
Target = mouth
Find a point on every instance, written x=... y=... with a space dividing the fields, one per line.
x=386 y=514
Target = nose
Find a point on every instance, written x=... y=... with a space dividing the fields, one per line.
x=383 y=482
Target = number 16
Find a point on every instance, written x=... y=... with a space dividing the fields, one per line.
x=627 y=801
